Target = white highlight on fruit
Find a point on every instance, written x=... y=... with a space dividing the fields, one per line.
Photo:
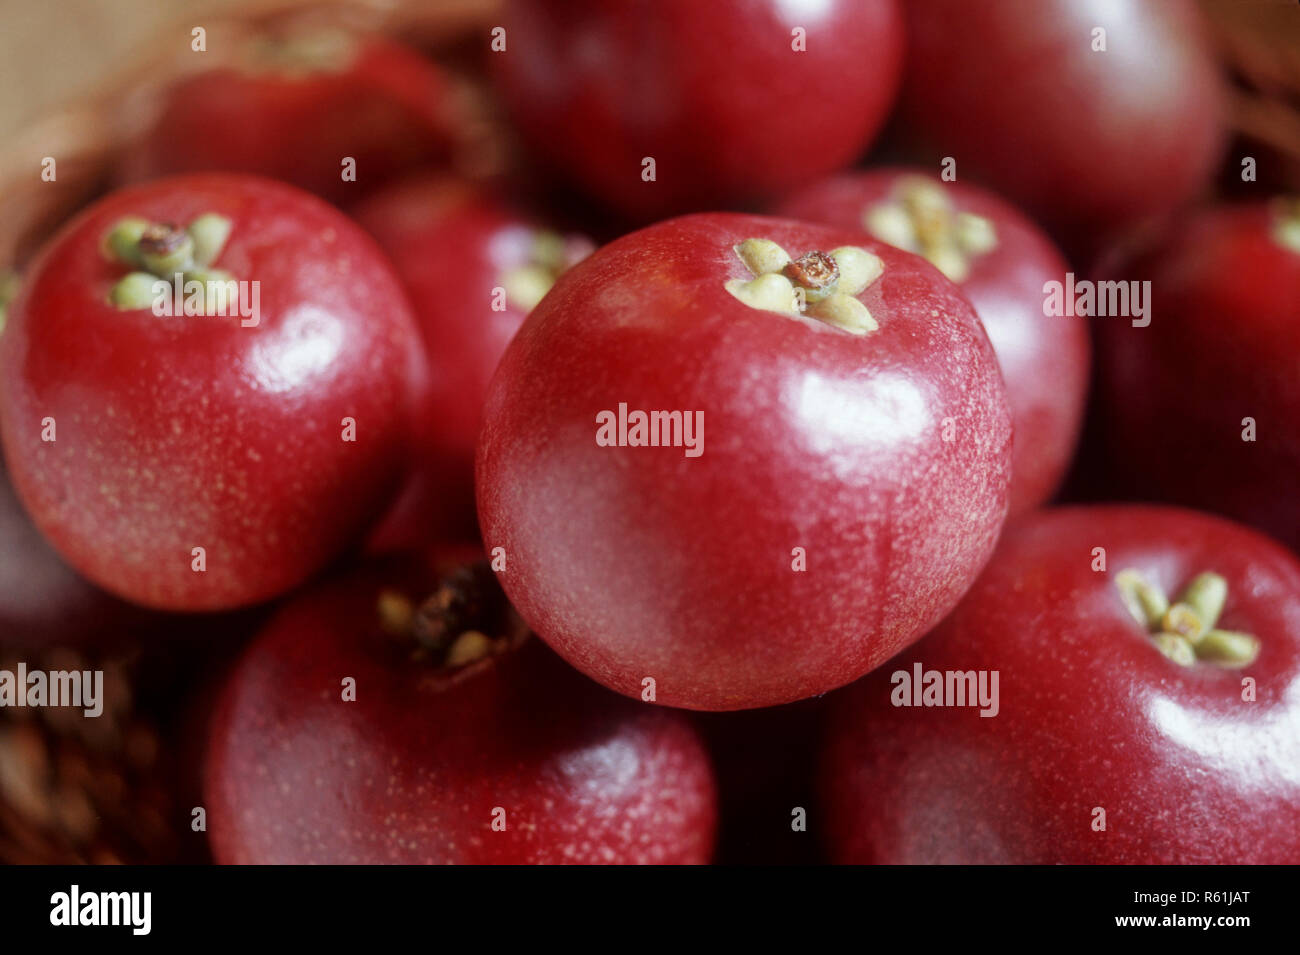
x=846 y=417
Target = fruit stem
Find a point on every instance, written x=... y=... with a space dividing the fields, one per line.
x=164 y=249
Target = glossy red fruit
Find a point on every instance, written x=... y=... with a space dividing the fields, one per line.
x=729 y=109
x=268 y=434
x=474 y=267
x=1200 y=407
x=293 y=106
x=1001 y=261
x=1190 y=752
x=459 y=721
x=1085 y=140
x=832 y=483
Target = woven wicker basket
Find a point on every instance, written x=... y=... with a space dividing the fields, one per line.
x=1258 y=39
x=87 y=138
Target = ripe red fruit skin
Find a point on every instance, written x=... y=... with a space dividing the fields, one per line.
x=1044 y=359
x=728 y=109
x=1221 y=347
x=1091 y=713
x=1084 y=141
x=382 y=104
x=640 y=562
x=183 y=432
x=412 y=771
x=452 y=244
x=43 y=602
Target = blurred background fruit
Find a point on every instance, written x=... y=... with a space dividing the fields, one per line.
x=1001 y=260
x=1090 y=133
x=1202 y=407
x=730 y=108
x=261 y=108
x=474 y=265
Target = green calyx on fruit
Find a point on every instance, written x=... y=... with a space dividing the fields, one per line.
x=300 y=55
x=920 y=218
x=466 y=619
x=158 y=251
x=549 y=256
x=1286 y=222
x=8 y=292
x=818 y=284
x=1185 y=630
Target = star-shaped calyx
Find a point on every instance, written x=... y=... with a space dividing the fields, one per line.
x=920 y=218
x=549 y=255
x=1185 y=630
x=821 y=285
x=160 y=250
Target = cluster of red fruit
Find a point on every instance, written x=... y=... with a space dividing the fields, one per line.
x=727 y=461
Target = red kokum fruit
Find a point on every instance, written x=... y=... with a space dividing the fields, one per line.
x=1199 y=407
x=403 y=714
x=1088 y=140
x=43 y=602
x=295 y=105
x=209 y=448
x=824 y=474
x=1121 y=686
x=1001 y=261
x=652 y=111
x=473 y=267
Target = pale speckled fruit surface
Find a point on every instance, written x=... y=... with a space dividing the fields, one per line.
x=1091 y=714
x=42 y=600
x=413 y=771
x=640 y=562
x=183 y=432
x=1044 y=358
